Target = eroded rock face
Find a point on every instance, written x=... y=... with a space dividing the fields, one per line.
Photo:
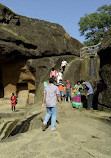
x=33 y=38
x=29 y=48
x=105 y=71
x=16 y=77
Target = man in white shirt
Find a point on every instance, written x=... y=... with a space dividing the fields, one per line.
x=63 y=65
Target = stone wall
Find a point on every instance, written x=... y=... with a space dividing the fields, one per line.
x=85 y=70
x=17 y=78
x=79 y=69
x=104 y=98
x=29 y=48
x=104 y=101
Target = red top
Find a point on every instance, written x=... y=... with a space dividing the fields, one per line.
x=13 y=100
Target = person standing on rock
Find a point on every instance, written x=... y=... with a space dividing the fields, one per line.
x=63 y=65
x=77 y=95
x=68 y=91
x=13 y=101
x=51 y=93
x=59 y=76
x=61 y=88
x=89 y=93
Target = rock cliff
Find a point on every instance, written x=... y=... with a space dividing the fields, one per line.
x=33 y=38
x=105 y=70
x=29 y=48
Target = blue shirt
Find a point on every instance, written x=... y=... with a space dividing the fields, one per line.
x=90 y=89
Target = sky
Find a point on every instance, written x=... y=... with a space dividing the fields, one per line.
x=66 y=13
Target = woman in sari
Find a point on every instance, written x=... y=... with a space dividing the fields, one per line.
x=77 y=95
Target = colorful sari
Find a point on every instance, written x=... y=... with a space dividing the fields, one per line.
x=77 y=97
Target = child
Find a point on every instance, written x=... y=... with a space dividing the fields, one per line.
x=68 y=91
x=13 y=101
x=60 y=86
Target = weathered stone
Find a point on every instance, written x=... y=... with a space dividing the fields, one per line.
x=31 y=98
x=85 y=70
x=106 y=43
x=34 y=38
x=105 y=70
x=29 y=48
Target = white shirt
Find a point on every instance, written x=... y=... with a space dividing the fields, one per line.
x=64 y=63
x=59 y=76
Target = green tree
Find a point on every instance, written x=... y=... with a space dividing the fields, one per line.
x=93 y=26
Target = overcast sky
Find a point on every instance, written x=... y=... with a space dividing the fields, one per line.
x=67 y=13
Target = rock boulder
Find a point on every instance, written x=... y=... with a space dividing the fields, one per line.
x=105 y=70
x=29 y=48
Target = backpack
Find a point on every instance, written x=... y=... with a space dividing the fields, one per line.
x=16 y=101
x=68 y=86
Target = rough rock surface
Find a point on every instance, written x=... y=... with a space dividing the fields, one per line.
x=105 y=70
x=32 y=37
x=106 y=41
x=29 y=48
x=80 y=134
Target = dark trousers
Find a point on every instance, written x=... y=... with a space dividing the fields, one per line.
x=89 y=101
x=63 y=67
x=13 y=108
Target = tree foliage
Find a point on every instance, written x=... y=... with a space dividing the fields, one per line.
x=93 y=26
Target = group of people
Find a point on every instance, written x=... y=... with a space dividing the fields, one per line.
x=54 y=91
x=58 y=75
x=57 y=90
x=66 y=90
x=78 y=89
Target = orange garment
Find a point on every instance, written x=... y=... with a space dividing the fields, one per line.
x=60 y=86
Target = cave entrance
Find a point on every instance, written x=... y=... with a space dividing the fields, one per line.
x=1 y=86
x=22 y=93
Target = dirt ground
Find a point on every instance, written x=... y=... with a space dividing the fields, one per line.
x=79 y=133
